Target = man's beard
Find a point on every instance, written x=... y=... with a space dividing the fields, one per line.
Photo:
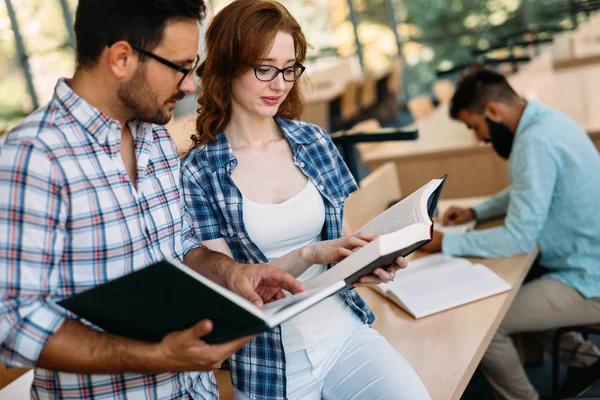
x=142 y=103
x=501 y=138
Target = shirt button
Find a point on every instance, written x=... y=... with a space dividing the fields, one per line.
x=302 y=164
x=321 y=187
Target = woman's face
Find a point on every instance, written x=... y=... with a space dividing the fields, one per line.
x=262 y=99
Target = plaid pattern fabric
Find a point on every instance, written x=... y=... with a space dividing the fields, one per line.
x=70 y=220
x=215 y=206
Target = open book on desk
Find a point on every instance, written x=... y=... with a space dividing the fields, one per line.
x=403 y=228
x=457 y=228
x=166 y=296
x=439 y=282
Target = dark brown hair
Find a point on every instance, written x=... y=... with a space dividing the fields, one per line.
x=237 y=38
x=477 y=86
x=100 y=23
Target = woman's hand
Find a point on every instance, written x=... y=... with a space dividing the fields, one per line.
x=381 y=275
x=329 y=251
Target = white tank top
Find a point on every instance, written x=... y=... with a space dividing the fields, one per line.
x=280 y=228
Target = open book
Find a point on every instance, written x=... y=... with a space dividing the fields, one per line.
x=439 y=282
x=457 y=228
x=166 y=296
x=403 y=228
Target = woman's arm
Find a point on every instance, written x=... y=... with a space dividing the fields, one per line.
x=297 y=261
x=219 y=245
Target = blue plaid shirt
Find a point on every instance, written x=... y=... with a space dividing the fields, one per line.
x=70 y=219
x=215 y=206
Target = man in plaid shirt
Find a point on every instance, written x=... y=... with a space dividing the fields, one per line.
x=89 y=192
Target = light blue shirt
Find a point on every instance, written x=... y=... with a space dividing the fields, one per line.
x=554 y=200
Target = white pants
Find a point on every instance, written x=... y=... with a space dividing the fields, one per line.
x=362 y=365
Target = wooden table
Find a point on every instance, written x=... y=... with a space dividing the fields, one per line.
x=446 y=146
x=445 y=348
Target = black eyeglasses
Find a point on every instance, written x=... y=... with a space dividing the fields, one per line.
x=185 y=71
x=267 y=73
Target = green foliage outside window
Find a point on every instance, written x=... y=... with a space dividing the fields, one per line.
x=435 y=34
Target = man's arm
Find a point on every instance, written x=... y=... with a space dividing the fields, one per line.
x=36 y=332
x=79 y=349
x=533 y=179
x=493 y=207
x=32 y=217
x=258 y=283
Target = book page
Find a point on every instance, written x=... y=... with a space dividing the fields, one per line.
x=400 y=215
x=302 y=300
x=436 y=283
x=458 y=228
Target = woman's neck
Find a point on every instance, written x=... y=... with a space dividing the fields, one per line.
x=251 y=131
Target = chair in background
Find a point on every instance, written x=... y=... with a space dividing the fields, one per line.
x=345 y=110
x=346 y=141
x=370 y=125
x=368 y=94
x=420 y=106
x=443 y=90
x=585 y=330
x=379 y=189
x=505 y=69
x=394 y=83
x=387 y=96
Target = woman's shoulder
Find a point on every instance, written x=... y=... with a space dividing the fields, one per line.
x=302 y=131
x=196 y=160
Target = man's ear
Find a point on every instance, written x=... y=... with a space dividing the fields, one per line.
x=122 y=60
x=493 y=111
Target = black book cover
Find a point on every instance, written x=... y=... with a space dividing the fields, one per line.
x=156 y=300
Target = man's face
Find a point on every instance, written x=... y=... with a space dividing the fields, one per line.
x=152 y=91
x=477 y=123
x=489 y=131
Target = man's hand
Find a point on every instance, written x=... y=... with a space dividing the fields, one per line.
x=186 y=351
x=79 y=349
x=329 y=251
x=457 y=215
x=260 y=283
x=381 y=275
x=435 y=246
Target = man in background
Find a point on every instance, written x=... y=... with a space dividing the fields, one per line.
x=552 y=201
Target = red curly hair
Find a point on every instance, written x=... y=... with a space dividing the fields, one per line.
x=238 y=37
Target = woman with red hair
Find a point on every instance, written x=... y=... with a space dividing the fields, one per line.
x=259 y=184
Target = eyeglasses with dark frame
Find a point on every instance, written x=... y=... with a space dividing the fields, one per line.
x=267 y=73
x=185 y=71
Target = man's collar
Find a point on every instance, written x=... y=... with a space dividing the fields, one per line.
x=95 y=122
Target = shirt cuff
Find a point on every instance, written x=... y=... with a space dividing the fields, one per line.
x=482 y=211
x=189 y=244
x=28 y=334
x=453 y=243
